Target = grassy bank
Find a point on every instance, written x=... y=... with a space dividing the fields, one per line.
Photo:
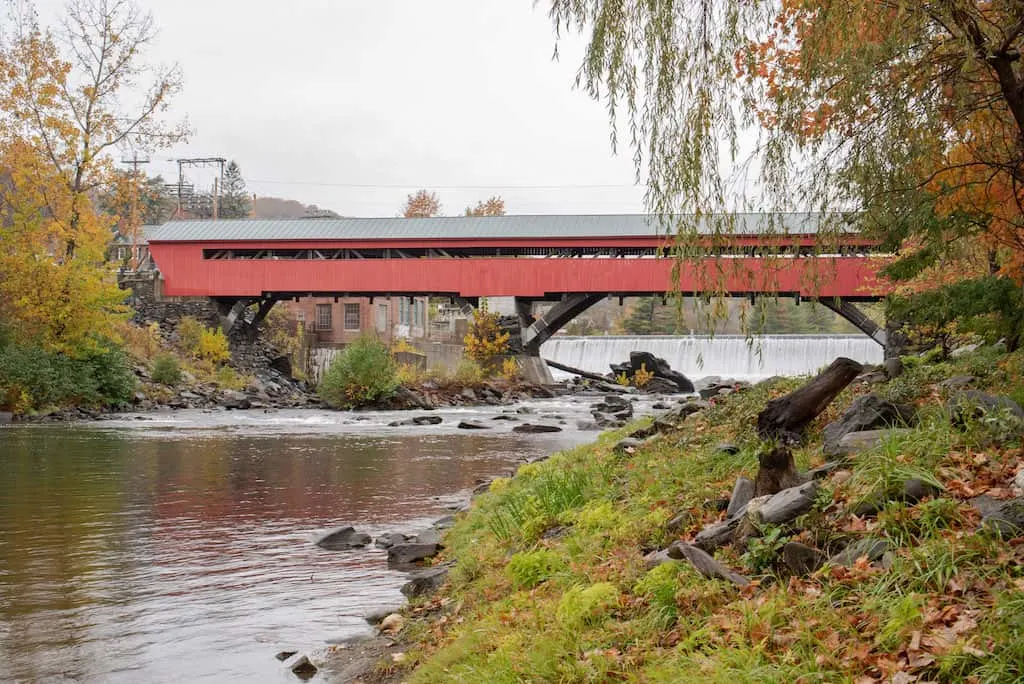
x=550 y=583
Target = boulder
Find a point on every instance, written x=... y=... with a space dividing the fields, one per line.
x=872 y=547
x=627 y=443
x=392 y=624
x=425 y=582
x=303 y=669
x=727 y=448
x=444 y=522
x=957 y=382
x=1004 y=517
x=231 y=399
x=427 y=420
x=468 y=394
x=533 y=428
x=410 y=552
x=964 y=350
x=472 y=425
x=973 y=404
x=893 y=367
x=866 y=413
x=856 y=442
x=788 y=504
x=431 y=536
x=742 y=493
x=389 y=539
x=377 y=615
x=801 y=559
x=660 y=368
x=343 y=538
x=717 y=534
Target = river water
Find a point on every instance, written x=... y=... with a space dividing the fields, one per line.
x=180 y=547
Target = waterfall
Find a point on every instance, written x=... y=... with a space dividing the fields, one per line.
x=727 y=356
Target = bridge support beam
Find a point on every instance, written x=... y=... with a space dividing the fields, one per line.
x=232 y=313
x=560 y=314
x=850 y=312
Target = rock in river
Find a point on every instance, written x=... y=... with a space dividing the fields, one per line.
x=343 y=538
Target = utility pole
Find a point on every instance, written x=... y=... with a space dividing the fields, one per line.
x=201 y=162
x=133 y=219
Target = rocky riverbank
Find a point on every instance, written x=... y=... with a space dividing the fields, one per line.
x=873 y=536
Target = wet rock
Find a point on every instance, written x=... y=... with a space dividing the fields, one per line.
x=742 y=493
x=1004 y=517
x=343 y=538
x=505 y=416
x=660 y=406
x=303 y=669
x=788 y=504
x=865 y=413
x=285 y=655
x=425 y=582
x=410 y=552
x=872 y=547
x=660 y=368
x=468 y=394
x=389 y=539
x=431 y=536
x=376 y=616
x=392 y=624
x=604 y=421
x=717 y=534
x=6 y=417
x=801 y=559
x=916 y=489
x=658 y=385
x=472 y=425
x=587 y=426
x=427 y=420
x=824 y=470
x=235 y=400
x=444 y=522
x=533 y=428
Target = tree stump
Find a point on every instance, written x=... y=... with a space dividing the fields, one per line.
x=777 y=472
x=786 y=417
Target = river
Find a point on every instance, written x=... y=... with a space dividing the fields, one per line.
x=179 y=547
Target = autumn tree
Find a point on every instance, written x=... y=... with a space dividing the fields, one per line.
x=422 y=204
x=152 y=204
x=907 y=118
x=62 y=115
x=493 y=206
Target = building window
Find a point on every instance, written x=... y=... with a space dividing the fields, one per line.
x=323 y=317
x=352 y=317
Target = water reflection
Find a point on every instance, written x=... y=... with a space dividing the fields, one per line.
x=128 y=555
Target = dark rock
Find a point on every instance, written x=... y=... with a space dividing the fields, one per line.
x=801 y=559
x=656 y=558
x=660 y=406
x=425 y=582
x=872 y=547
x=533 y=428
x=1004 y=517
x=677 y=523
x=715 y=389
x=705 y=564
x=587 y=425
x=865 y=413
x=343 y=538
x=303 y=669
x=788 y=504
x=6 y=417
x=389 y=539
x=717 y=534
x=869 y=507
x=444 y=522
x=525 y=409
x=893 y=367
x=285 y=655
x=660 y=368
x=973 y=404
x=856 y=442
x=824 y=470
x=627 y=443
x=742 y=493
x=427 y=420
x=468 y=394
x=658 y=385
x=776 y=472
x=431 y=536
x=726 y=448
x=504 y=416
x=405 y=554
x=235 y=400
x=872 y=377
x=282 y=364
x=471 y=425
x=916 y=489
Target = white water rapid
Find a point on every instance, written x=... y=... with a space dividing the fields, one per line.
x=726 y=356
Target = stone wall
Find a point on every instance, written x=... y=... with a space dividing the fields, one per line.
x=150 y=305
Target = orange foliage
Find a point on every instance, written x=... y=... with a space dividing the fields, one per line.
x=422 y=204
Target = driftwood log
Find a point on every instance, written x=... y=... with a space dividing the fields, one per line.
x=786 y=417
x=576 y=371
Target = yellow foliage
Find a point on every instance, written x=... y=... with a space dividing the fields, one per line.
x=213 y=346
x=403 y=345
x=410 y=375
x=642 y=376
x=622 y=379
x=141 y=341
x=485 y=343
x=190 y=331
x=510 y=369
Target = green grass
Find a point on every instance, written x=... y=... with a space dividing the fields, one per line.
x=579 y=606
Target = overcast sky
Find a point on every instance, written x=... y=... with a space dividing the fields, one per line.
x=313 y=97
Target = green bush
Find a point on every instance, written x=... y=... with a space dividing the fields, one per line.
x=32 y=378
x=529 y=568
x=587 y=606
x=166 y=370
x=363 y=372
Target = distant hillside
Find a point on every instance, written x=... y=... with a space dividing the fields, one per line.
x=276 y=208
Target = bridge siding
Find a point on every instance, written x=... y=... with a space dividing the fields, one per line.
x=186 y=273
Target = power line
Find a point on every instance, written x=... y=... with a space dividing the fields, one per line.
x=397 y=186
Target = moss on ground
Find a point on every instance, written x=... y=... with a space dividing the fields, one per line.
x=550 y=582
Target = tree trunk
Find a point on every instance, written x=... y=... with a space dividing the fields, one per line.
x=786 y=417
x=576 y=371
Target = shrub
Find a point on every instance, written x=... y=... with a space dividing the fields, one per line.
x=642 y=376
x=362 y=373
x=228 y=378
x=468 y=372
x=190 y=330
x=166 y=370
x=213 y=346
x=409 y=375
x=485 y=342
x=510 y=369
x=529 y=568
x=32 y=378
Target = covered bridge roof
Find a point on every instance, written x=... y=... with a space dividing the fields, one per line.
x=468 y=227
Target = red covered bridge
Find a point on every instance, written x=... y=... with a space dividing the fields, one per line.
x=574 y=260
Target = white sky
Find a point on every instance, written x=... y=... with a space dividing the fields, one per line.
x=312 y=95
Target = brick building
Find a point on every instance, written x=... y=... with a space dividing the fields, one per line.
x=339 y=320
